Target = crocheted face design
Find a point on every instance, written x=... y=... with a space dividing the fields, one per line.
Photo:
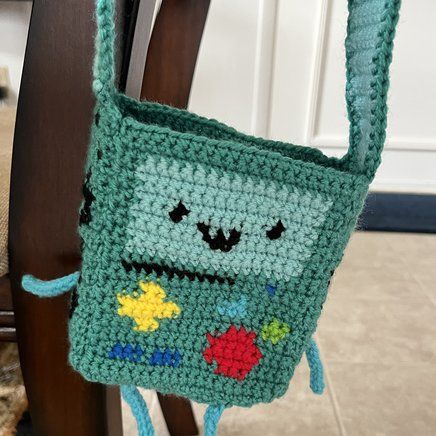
x=212 y=223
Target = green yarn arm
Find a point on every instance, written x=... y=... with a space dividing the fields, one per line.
x=369 y=43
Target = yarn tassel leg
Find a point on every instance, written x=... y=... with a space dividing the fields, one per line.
x=50 y=288
x=134 y=399
x=211 y=418
x=316 y=369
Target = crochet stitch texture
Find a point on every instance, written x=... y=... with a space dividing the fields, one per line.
x=207 y=253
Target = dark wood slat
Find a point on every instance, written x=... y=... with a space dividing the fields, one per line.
x=5 y=293
x=51 y=137
x=113 y=421
x=8 y=334
x=178 y=415
x=7 y=318
x=173 y=51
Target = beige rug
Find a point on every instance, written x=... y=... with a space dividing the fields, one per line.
x=13 y=401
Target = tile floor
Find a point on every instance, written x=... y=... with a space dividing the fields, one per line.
x=377 y=338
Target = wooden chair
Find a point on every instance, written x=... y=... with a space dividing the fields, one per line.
x=52 y=127
x=7 y=317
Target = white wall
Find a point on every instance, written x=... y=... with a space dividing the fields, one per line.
x=233 y=74
x=14 y=23
x=277 y=68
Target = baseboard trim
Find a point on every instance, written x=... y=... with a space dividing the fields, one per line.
x=399 y=213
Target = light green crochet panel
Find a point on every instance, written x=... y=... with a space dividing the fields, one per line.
x=228 y=202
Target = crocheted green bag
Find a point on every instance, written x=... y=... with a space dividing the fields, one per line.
x=207 y=253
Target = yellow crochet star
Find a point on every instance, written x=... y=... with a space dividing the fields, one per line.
x=147 y=307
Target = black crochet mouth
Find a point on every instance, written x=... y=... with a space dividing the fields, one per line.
x=171 y=272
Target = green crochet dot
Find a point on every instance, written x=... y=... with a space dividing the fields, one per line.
x=275 y=331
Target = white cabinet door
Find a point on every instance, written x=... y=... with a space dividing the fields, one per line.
x=409 y=159
x=277 y=68
x=232 y=80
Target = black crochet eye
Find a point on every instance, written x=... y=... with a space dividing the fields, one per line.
x=97 y=119
x=85 y=213
x=276 y=231
x=178 y=212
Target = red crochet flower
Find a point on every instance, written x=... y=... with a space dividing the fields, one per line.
x=234 y=352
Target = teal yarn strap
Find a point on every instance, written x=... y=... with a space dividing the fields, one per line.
x=104 y=68
x=49 y=288
x=369 y=44
x=316 y=369
x=139 y=409
x=211 y=419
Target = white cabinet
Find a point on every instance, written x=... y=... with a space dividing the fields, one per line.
x=276 y=68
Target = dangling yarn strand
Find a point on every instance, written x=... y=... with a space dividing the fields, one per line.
x=211 y=419
x=316 y=369
x=50 y=288
x=139 y=409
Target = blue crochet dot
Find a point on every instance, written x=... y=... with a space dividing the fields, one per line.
x=167 y=357
x=233 y=309
x=128 y=352
x=271 y=290
x=117 y=351
x=221 y=310
x=232 y=312
x=177 y=357
x=138 y=353
x=156 y=358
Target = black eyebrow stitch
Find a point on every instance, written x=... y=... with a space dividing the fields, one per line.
x=85 y=212
x=178 y=212
x=276 y=231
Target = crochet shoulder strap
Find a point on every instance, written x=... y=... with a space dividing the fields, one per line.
x=369 y=43
x=103 y=83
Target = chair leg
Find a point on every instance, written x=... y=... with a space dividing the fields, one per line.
x=47 y=170
x=173 y=50
x=178 y=415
